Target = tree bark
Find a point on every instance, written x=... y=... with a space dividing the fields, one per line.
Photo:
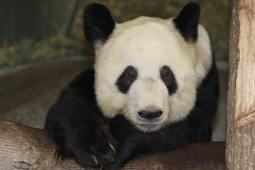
x=240 y=151
x=23 y=147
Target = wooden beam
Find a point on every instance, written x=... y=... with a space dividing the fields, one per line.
x=240 y=153
x=23 y=147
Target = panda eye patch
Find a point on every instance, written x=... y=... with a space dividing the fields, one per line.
x=166 y=73
x=168 y=78
x=126 y=79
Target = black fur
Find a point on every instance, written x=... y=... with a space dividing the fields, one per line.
x=187 y=21
x=80 y=129
x=168 y=78
x=126 y=79
x=98 y=23
x=206 y=105
x=130 y=74
x=82 y=132
x=77 y=125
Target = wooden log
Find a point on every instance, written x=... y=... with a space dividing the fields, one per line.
x=23 y=147
x=240 y=151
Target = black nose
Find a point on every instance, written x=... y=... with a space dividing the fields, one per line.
x=150 y=115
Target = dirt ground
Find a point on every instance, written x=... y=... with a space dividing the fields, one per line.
x=27 y=93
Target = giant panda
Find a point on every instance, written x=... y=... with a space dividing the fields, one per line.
x=153 y=88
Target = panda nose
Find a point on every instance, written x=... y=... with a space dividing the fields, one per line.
x=150 y=115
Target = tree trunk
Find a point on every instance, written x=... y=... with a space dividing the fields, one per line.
x=23 y=147
x=240 y=151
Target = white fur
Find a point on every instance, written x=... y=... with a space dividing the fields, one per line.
x=148 y=44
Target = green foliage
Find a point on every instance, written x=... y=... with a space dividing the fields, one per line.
x=29 y=50
x=21 y=45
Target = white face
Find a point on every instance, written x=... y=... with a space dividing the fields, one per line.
x=150 y=48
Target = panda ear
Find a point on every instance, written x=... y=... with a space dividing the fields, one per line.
x=187 y=21
x=98 y=23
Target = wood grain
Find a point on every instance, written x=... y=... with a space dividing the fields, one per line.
x=23 y=147
x=245 y=79
x=240 y=149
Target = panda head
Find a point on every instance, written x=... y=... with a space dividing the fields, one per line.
x=148 y=69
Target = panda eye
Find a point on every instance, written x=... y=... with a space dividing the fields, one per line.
x=130 y=75
x=168 y=78
x=165 y=75
x=126 y=79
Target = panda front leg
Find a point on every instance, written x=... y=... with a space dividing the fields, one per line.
x=78 y=127
x=125 y=154
x=128 y=139
x=81 y=135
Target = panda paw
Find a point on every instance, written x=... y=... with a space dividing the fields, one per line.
x=103 y=147
x=98 y=149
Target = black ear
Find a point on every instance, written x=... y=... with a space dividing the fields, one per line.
x=98 y=23
x=187 y=21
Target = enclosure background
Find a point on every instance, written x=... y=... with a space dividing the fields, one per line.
x=32 y=31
